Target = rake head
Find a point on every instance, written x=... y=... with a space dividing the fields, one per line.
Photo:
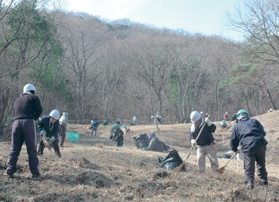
x=221 y=170
x=47 y=145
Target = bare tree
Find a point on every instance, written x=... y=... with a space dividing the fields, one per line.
x=153 y=63
x=26 y=37
x=258 y=22
x=82 y=37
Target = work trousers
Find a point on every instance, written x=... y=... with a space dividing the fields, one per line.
x=210 y=151
x=23 y=130
x=250 y=159
x=55 y=147
x=62 y=135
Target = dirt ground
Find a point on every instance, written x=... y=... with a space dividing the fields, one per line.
x=95 y=169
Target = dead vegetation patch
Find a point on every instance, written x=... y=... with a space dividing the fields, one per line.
x=96 y=170
x=94 y=178
x=85 y=163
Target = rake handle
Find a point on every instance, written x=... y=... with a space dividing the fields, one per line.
x=233 y=156
x=230 y=159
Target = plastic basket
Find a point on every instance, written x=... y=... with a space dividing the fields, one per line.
x=73 y=137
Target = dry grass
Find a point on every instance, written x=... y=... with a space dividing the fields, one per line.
x=96 y=170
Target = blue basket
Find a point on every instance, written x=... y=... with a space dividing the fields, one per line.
x=73 y=137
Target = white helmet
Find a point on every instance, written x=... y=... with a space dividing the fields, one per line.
x=195 y=116
x=54 y=114
x=28 y=87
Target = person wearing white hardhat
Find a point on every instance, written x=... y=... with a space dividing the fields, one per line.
x=201 y=137
x=63 y=121
x=49 y=126
x=27 y=109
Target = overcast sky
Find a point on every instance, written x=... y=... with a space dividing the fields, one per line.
x=204 y=16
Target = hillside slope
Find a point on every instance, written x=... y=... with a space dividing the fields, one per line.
x=96 y=170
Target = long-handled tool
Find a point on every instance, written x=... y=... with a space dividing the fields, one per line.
x=183 y=163
x=221 y=170
x=46 y=142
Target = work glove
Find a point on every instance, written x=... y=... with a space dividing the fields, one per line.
x=52 y=139
x=193 y=142
x=207 y=120
x=42 y=132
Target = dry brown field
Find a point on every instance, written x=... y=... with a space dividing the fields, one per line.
x=95 y=169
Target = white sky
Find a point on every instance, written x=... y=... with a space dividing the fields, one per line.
x=204 y=16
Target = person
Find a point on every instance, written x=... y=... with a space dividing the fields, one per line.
x=249 y=133
x=134 y=119
x=201 y=113
x=26 y=110
x=49 y=126
x=155 y=144
x=105 y=123
x=116 y=134
x=94 y=126
x=205 y=142
x=157 y=119
x=225 y=116
x=126 y=129
x=63 y=121
x=234 y=117
x=223 y=124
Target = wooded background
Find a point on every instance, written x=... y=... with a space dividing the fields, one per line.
x=99 y=69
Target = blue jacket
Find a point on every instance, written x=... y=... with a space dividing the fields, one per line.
x=94 y=125
x=249 y=133
x=206 y=137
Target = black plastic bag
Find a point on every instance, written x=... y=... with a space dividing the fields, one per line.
x=141 y=141
x=171 y=161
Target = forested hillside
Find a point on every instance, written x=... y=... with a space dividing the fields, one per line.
x=98 y=69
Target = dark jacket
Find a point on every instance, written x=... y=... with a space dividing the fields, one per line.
x=94 y=125
x=249 y=133
x=27 y=106
x=51 y=129
x=206 y=137
x=118 y=132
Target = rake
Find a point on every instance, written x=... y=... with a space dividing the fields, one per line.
x=221 y=170
x=46 y=143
